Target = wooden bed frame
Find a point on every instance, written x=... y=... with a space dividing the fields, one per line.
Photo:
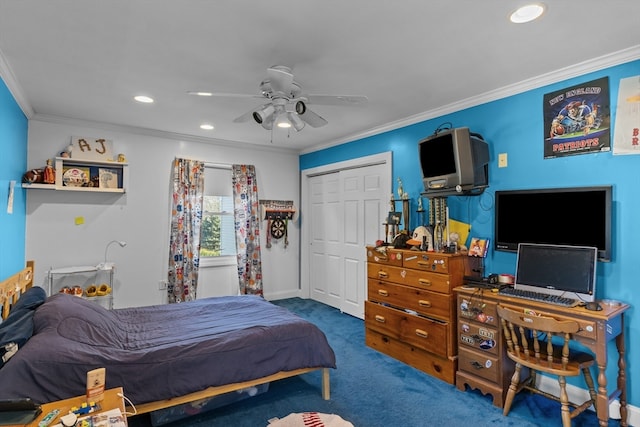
x=16 y=285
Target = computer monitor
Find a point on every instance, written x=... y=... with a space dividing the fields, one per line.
x=567 y=271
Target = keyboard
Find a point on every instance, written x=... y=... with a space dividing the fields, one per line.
x=539 y=296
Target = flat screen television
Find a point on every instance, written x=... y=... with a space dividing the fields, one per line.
x=578 y=216
x=567 y=271
x=454 y=161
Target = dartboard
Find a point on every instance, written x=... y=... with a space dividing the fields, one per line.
x=278 y=228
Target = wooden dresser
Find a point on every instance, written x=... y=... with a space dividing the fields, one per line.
x=410 y=314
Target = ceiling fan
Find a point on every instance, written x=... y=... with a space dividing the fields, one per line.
x=286 y=104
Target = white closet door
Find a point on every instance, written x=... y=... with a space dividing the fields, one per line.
x=326 y=243
x=347 y=209
x=364 y=201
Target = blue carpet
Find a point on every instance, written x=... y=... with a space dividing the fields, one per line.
x=370 y=389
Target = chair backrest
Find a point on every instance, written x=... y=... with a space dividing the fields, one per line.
x=530 y=339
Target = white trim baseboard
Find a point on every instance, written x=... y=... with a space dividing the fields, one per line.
x=578 y=394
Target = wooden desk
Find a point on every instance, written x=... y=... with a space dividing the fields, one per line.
x=597 y=329
x=111 y=401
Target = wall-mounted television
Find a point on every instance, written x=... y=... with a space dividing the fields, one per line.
x=578 y=216
x=454 y=162
x=566 y=271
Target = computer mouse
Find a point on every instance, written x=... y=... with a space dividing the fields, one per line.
x=593 y=306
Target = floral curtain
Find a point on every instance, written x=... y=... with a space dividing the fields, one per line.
x=186 y=219
x=247 y=224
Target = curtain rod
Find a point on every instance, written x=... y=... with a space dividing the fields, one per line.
x=217 y=166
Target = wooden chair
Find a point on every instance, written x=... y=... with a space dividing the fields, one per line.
x=542 y=345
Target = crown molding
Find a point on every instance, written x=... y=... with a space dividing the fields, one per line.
x=596 y=64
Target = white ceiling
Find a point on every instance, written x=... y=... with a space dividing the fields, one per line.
x=86 y=59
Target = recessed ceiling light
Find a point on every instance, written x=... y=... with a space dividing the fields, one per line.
x=201 y=93
x=206 y=126
x=527 y=13
x=144 y=99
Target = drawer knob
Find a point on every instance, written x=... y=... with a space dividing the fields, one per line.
x=382 y=274
x=424 y=282
x=424 y=303
x=421 y=333
x=477 y=365
x=423 y=263
x=380 y=319
x=383 y=292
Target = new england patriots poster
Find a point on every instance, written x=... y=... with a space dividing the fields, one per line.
x=577 y=120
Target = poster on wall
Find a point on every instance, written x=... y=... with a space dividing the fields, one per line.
x=577 y=120
x=626 y=133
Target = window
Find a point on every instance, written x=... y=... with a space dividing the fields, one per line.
x=217 y=238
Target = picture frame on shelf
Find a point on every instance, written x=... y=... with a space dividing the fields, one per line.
x=107 y=178
x=478 y=247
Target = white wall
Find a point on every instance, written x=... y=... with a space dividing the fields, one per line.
x=141 y=216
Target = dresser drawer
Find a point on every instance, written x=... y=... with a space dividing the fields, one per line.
x=417 y=331
x=388 y=256
x=426 y=280
x=443 y=368
x=428 y=303
x=478 y=336
x=483 y=365
x=478 y=309
x=427 y=261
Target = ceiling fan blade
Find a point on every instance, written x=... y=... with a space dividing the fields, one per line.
x=280 y=79
x=222 y=94
x=337 y=99
x=313 y=119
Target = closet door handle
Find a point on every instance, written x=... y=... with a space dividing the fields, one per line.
x=380 y=319
x=424 y=303
x=383 y=292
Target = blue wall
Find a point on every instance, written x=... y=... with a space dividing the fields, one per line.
x=13 y=164
x=514 y=125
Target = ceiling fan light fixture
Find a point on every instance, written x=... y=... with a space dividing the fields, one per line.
x=301 y=107
x=282 y=121
x=264 y=114
x=296 y=121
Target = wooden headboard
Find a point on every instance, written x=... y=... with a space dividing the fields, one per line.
x=14 y=286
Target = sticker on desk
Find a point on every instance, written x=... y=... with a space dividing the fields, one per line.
x=487 y=344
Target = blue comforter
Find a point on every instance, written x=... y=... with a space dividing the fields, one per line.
x=162 y=351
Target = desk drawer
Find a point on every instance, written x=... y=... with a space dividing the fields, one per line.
x=483 y=365
x=478 y=309
x=417 y=331
x=428 y=303
x=478 y=336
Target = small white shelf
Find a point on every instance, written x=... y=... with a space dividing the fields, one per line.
x=94 y=166
x=83 y=276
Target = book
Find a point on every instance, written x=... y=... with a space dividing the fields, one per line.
x=110 y=418
x=95 y=384
x=478 y=247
